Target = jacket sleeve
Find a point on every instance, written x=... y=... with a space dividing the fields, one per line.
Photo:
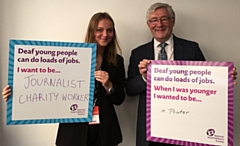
x=199 y=54
x=135 y=83
x=118 y=96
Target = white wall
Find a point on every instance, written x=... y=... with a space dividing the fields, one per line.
x=213 y=24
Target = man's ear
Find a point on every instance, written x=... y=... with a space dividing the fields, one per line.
x=147 y=23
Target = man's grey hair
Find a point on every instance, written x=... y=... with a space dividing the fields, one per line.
x=156 y=6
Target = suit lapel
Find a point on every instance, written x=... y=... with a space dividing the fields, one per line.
x=150 y=51
x=178 y=48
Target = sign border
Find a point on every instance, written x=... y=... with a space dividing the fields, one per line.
x=12 y=44
x=230 y=127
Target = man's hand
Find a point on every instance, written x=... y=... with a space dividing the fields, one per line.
x=142 y=66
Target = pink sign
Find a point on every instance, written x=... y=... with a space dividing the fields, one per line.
x=190 y=103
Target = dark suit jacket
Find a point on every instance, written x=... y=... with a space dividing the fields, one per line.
x=75 y=134
x=135 y=85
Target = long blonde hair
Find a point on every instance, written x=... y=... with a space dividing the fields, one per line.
x=113 y=47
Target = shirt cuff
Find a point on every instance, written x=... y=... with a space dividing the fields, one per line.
x=144 y=79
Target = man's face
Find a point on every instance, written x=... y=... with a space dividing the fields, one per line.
x=161 y=24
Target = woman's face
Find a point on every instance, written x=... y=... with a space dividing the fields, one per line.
x=104 y=32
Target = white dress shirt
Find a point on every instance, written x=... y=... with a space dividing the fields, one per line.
x=168 y=48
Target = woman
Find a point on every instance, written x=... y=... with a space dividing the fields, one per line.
x=109 y=90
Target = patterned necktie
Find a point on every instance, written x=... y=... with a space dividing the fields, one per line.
x=162 y=55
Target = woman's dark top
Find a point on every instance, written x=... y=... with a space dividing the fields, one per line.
x=75 y=134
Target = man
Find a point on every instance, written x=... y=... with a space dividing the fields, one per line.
x=160 y=20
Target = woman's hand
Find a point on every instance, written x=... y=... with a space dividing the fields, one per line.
x=6 y=92
x=103 y=77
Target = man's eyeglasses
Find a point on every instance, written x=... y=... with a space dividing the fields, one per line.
x=162 y=19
